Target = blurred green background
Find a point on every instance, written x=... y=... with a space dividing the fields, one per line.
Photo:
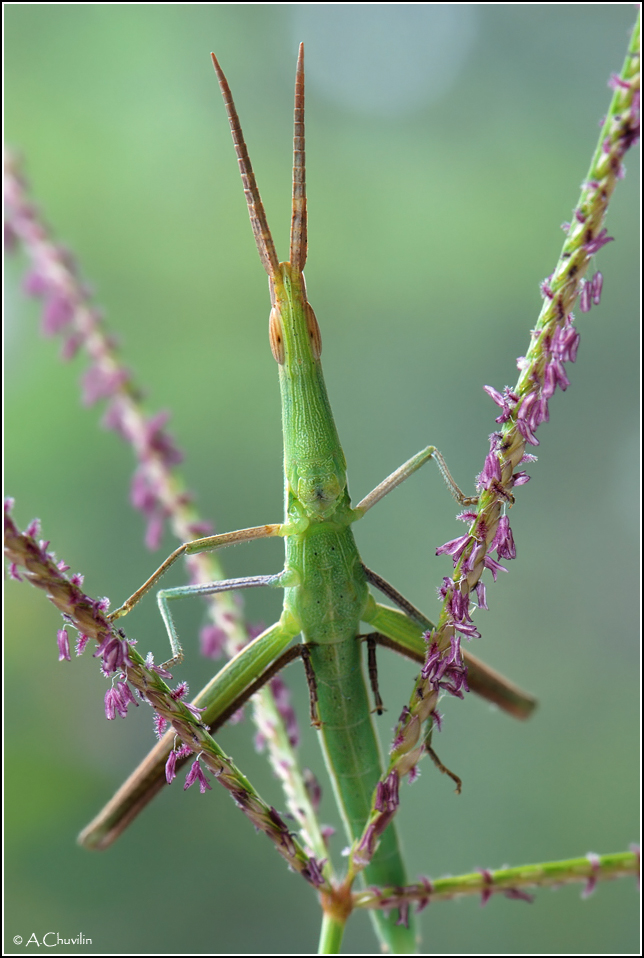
x=445 y=146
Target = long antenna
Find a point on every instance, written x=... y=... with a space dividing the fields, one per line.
x=298 y=214
x=258 y=220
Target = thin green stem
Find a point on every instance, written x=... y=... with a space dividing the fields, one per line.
x=507 y=881
x=331 y=934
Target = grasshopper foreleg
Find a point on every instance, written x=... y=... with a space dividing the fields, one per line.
x=207 y=544
x=164 y=596
x=407 y=469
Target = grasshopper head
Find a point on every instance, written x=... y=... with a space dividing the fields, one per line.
x=293 y=329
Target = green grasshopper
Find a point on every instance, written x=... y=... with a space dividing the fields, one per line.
x=325 y=583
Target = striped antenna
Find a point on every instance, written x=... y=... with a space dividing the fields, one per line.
x=258 y=221
x=298 y=215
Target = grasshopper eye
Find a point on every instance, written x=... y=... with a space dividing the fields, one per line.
x=275 y=335
x=314 y=331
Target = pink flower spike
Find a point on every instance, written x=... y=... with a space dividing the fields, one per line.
x=159 y=442
x=57 y=313
x=313 y=872
x=454 y=547
x=387 y=799
x=160 y=725
x=33 y=528
x=494 y=566
x=114 y=650
x=35 y=284
x=437 y=719
x=585 y=301
x=491 y=472
x=111 y=704
x=171 y=767
x=528 y=418
x=593 y=245
x=117 y=699
x=520 y=478
x=517 y=894
x=566 y=341
x=149 y=664
x=100 y=383
x=414 y=773
x=125 y=694
x=480 y=594
x=62 y=638
x=81 y=642
x=194 y=710
x=615 y=83
x=196 y=774
x=466 y=516
x=429 y=888
x=403 y=914
x=591 y=884
x=486 y=891
x=154 y=532
x=10 y=238
x=70 y=346
x=495 y=395
x=503 y=540
x=212 y=640
x=180 y=692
